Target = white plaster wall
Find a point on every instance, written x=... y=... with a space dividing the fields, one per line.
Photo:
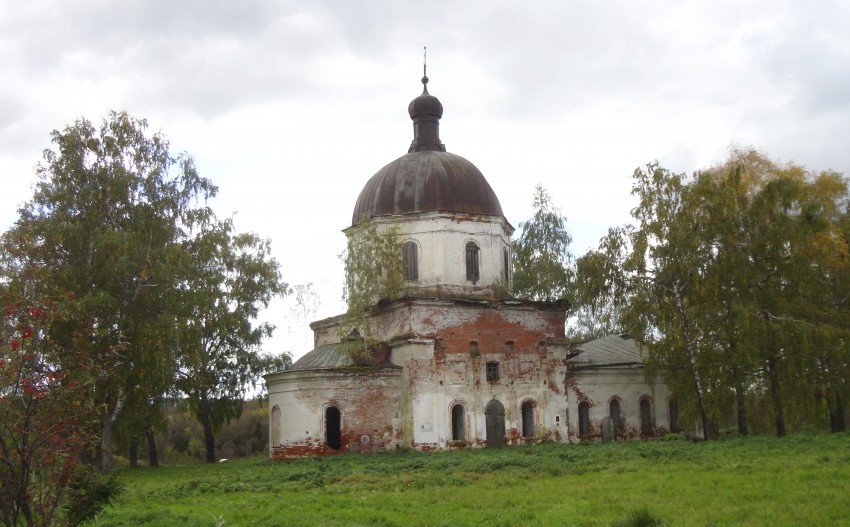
x=442 y=239
x=600 y=385
x=435 y=390
x=302 y=397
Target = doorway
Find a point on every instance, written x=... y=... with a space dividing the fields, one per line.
x=333 y=428
x=494 y=414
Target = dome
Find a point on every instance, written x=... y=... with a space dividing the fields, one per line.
x=428 y=178
x=427 y=181
x=425 y=104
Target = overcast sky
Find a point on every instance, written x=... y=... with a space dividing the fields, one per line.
x=290 y=106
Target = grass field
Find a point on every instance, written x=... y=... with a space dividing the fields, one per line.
x=796 y=481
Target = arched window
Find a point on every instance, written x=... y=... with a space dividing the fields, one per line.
x=275 y=425
x=333 y=427
x=528 y=419
x=584 y=418
x=458 y=422
x=410 y=253
x=645 y=416
x=506 y=265
x=472 y=272
x=616 y=415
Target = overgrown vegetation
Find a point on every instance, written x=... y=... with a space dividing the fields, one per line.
x=373 y=272
x=730 y=482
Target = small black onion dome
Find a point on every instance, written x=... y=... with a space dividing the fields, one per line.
x=425 y=103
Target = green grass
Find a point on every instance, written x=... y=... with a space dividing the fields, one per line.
x=797 y=481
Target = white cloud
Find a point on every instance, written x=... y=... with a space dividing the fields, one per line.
x=291 y=106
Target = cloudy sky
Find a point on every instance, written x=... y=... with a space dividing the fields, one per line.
x=290 y=106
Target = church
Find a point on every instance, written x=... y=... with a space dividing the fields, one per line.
x=460 y=363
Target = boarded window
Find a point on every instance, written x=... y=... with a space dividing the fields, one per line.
x=583 y=418
x=492 y=371
x=411 y=260
x=457 y=372
x=529 y=420
x=645 y=416
x=472 y=272
x=458 y=423
x=333 y=428
x=528 y=369
x=616 y=415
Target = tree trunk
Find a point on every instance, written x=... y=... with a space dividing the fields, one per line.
x=776 y=396
x=692 y=356
x=740 y=403
x=108 y=422
x=106 y=448
x=836 y=414
x=153 y=457
x=205 y=417
x=134 y=452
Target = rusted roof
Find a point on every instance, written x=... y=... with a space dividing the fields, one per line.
x=325 y=357
x=427 y=181
x=611 y=350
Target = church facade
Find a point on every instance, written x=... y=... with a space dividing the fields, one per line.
x=459 y=363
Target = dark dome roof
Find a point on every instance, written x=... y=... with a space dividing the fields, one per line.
x=428 y=178
x=425 y=104
x=424 y=182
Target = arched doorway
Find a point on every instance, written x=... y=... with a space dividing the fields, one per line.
x=333 y=427
x=646 y=424
x=583 y=418
x=528 y=419
x=494 y=415
x=458 y=423
x=673 y=416
x=615 y=412
x=275 y=426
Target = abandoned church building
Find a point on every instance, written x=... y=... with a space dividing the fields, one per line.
x=459 y=363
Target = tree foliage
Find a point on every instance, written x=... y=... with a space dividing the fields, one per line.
x=231 y=276
x=104 y=227
x=373 y=272
x=543 y=263
x=735 y=281
x=594 y=296
x=160 y=295
x=46 y=411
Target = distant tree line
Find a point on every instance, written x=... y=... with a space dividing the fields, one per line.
x=735 y=281
x=122 y=290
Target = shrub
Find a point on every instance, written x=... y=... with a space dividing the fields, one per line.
x=92 y=492
x=640 y=518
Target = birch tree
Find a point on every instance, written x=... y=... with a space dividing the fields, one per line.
x=105 y=223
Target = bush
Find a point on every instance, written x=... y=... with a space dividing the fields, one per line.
x=92 y=492
x=640 y=518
